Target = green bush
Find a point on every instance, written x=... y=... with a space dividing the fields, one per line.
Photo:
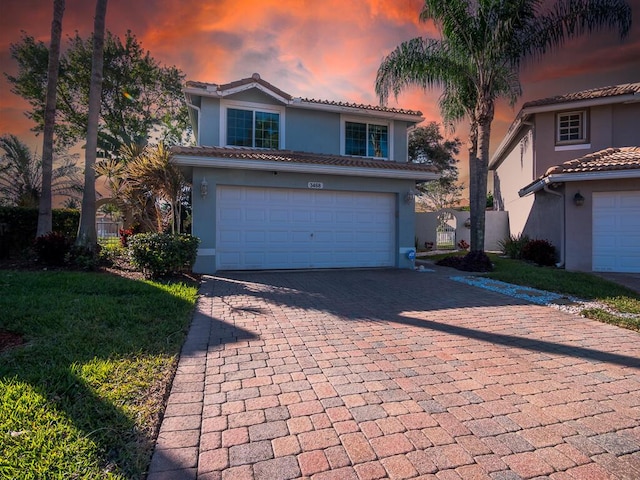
x=540 y=252
x=158 y=254
x=512 y=245
x=53 y=248
x=476 y=261
x=19 y=225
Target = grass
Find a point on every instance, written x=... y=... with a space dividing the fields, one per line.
x=82 y=397
x=623 y=303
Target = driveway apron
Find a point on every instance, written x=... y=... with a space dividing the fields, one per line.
x=368 y=374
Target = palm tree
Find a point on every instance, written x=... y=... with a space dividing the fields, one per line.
x=477 y=59
x=154 y=172
x=142 y=181
x=45 y=217
x=87 y=235
x=21 y=175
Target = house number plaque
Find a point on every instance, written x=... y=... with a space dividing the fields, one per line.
x=315 y=185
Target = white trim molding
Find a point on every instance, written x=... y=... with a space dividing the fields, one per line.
x=254 y=107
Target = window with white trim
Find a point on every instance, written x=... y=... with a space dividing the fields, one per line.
x=571 y=127
x=366 y=139
x=253 y=128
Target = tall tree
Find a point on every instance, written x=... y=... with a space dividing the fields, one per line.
x=477 y=59
x=45 y=217
x=21 y=175
x=87 y=235
x=140 y=97
x=427 y=145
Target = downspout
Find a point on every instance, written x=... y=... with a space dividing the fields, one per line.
x=546 y=188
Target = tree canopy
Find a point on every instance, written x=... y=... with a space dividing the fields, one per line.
x=427 y=145
x=140 y=98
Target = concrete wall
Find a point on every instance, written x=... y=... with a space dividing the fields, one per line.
x=312 y=131
x=625 y=130
x=496 y=227
x=204 y=210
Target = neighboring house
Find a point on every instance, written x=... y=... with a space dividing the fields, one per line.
x=281 y=182
x=568 y=171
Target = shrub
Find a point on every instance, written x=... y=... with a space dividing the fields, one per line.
x=512 y=245
x=19 y=225
x=52 y=248
x=110 y=252
x=84 y=258
x=159 y=254
x=540 y=252
x=476 y=261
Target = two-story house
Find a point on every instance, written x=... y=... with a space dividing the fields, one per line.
x=281 y=182
x=568 y=171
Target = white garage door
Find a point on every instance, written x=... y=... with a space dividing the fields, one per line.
x=616 y=232
x=264 y=228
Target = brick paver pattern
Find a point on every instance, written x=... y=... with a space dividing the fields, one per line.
x=395 y=374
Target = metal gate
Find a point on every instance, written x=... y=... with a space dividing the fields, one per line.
x=445 y=237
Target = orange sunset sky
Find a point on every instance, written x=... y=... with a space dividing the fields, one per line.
x=326 y=49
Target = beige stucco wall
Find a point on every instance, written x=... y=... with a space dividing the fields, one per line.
x=608 y=126
x=532 y=154
x=508 y=180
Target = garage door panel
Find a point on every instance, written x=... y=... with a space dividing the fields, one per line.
x=291 y=228
x=616 y=232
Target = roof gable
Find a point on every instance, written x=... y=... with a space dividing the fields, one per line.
x=255 y=81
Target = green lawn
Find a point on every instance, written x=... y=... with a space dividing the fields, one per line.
x=81 y=398
x=624 y=302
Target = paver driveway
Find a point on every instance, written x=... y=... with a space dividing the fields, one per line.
x=396 y=374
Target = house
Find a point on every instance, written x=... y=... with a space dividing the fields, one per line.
x=568 y=171
x=282 y=182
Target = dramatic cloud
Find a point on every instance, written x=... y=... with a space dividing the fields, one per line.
x=324 y=50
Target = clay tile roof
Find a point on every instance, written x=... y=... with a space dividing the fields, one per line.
x=290 y=156
x=255 y=78
x=609 y=159
x=376 y=108
x=603 y=92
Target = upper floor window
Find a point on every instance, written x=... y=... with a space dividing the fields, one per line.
x=366 y=140
x=253 y=128
x=571 y=127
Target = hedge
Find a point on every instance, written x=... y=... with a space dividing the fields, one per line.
x=18 y=227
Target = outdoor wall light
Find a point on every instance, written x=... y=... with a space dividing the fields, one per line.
x=578 y=199
x=204 y=188
x=410 y=195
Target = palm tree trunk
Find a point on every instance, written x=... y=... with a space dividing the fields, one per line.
x=478 y=171
x=45 y=218
x=87 y=236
